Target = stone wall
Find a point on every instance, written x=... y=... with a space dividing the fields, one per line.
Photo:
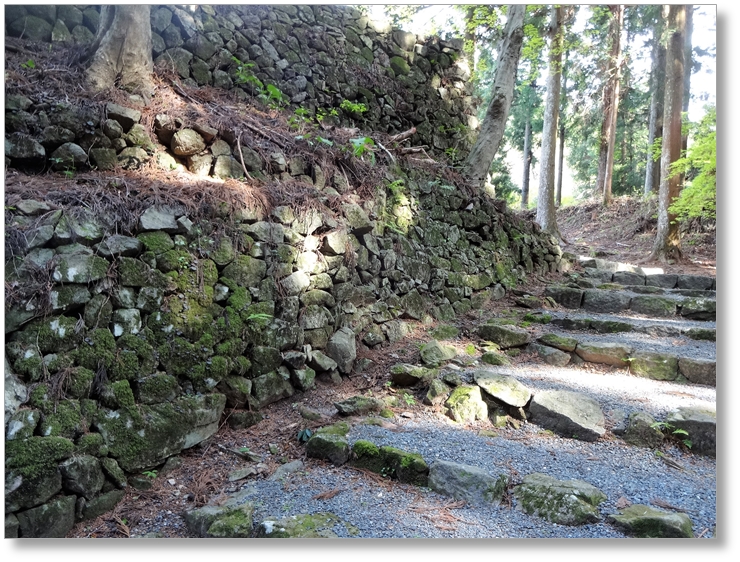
x=127 y=340
x=317 y=56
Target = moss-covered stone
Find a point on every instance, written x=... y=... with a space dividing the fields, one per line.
x=32 y=455
x=569 y=502
x=155 y=388
x=135 y=273
x=403 y=374
x=358 y=406
x=656 y=366
x=329 y=446
x=465 y=404
x=246 y=271
x=303 y=526
x=559 y=342
x=52 y=520
x=63 y=420
x=51 y=335
x=174 y=260
x=434 y=353
x=406 y=467
x=235 y=523
x=91 y=444
x=96 y=350
x=647 y=522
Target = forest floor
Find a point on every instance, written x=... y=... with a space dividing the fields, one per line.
x=624 y=233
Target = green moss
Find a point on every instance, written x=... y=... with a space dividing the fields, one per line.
x=240 y=299
x=158 y=242
x=156 y=388
x=242 y=365
x=125 y=366
x=539 y=318
x=39 y=398
x=51 y=335
x=235 y=524
x=174 y=260
x=408 y=467
x=387 y=413
x=232 y=348
x=218 y=367
x=339 y=428
x=123 y=394
x=31 y=456
x=91 y=444
x=135 y=357
x=30 y=365
x=79 y=382
x=63 y=420
x=97 y=349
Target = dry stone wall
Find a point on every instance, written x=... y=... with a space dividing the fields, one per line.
x=317 y=56
x=126 y=341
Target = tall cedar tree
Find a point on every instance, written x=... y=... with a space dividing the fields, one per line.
x=667 y=245
x=610 y=105
x=657 y=91
x=546 y=195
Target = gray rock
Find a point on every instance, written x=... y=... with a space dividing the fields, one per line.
x=503 y=387
x=565 y=502
x=126 y=321
x=66 y=297
x=570 y=414
x=467 y=483
x=699 y=282
x=434 y=353
x=51 y=520
x=80 y=268
x=653 y=306
x=119 y=245
x=628 y=278
x=25 y=149
x=187 y=142
x=699 y=371
x=358 y=406
x=550 y=355
x=82 y=475
x=132 y=158
x=504 y=336
x=295 y=283
x=159 y=218
x=465 y=404
x=102 y=504
x=598 y=300
x=125 y=116
x=270 y=232
x=103 y=158
x=286 y=470
x=21 y=424
x=699 y=309
x=303 y=526
x=328 y=446
x=566 y=296
x=269 y=388
x=641 y=431
x=701 y=425
x=663 y=280
x=604 y=352
x=342 y=349
x=227 y=167
x=16 y=392
x=647 y=522
x=403 y=374
x=656 y=366
x=32 y=28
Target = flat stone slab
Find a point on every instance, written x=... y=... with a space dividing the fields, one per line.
x=565 y=502
x=598 y=300
x=550 y=355
x=699 y=371
x=465 y=482
x=604 y=352
x=504 y=336
x=647 y=522
x=656 y=366
x=503 y=387
x=570 y=414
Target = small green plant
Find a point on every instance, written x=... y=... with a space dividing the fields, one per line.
x=452 y=153
x=673 y=433
x=352 y=107
x=274 y=97
x=29 y=64
x=322 y=113
x=183 y=262
x=386 y=472
x=362 y=146
x=69 y=173
x=150 y=473
x=388 y=384
x=470 y=349
x=301 y=116
x=410 y=401
x=259 y=317
x=304 y=435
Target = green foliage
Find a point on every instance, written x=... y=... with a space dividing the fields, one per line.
x=244 y=75
x=699 y=197
x=674 y=433
x=363 y=146
x=304 y=435
x=150 y=473
x=29 y=64
x=322 y=113
x=352 y=107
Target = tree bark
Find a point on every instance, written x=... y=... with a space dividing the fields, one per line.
x=688 y=63
x=527 y=161
x=561 y=136
x=545 y=197
x=610 y=106
x=491 y=132
x=121 y=54
x=655 y=129
x=667 y=245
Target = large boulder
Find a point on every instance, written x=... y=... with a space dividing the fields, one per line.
x=303 y=526
x=51 y=520
x=570 y=414
x=434 y=353
x=699 y=371
x=565 y=502
x=642 y=431
x=468 y=483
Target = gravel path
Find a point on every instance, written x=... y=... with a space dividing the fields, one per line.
x=392 y=510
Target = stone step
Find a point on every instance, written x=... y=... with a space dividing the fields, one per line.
x=627 y=274
x=614 y=300
x=655 y=357
x=616 y=323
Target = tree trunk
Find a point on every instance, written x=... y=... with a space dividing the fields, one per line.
x=610 y=106
x=655 y=130
x=527 y=161
x=688 y=63
x=667 y=242
x=546 y=193
x=121 y=54
x=491 y=132
x=561 y=154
